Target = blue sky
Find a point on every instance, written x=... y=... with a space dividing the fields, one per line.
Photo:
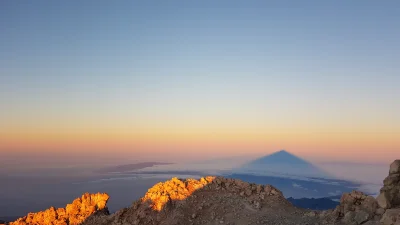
x=249 y=63
x=183 y=35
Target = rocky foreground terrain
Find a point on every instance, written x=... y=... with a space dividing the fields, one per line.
x=73 y=214
x=218 y=200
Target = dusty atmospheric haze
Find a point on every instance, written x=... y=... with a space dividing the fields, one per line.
x=117 y=96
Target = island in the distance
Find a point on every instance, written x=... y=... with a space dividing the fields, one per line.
x=129 y=167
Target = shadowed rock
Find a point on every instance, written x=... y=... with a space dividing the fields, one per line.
x=219 y=200
x=355 y=208
x=389 y=196
x=358 y=208
x=209 y=200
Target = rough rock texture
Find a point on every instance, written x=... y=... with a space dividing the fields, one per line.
x=73 y=214
x=210 y=200
x=395 y=167
x=358 y=208
x=391 y=217
x=218 y=200
x=389 y=196
x=173 y=190
x=355 y=208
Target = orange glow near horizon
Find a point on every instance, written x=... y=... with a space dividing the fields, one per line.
x=351 y=144
x=195 y=82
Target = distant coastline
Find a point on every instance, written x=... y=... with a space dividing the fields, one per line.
x=129 y=167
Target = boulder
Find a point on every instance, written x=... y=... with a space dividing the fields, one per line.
x=361 y=217
x=358 y=201
x=391 y=217
x=354 y=208
x=383 y=201
x=380 y=211
x=349 y=217
x=389 y=196
x=395 y=167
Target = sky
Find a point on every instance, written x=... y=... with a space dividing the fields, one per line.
x=186 y=80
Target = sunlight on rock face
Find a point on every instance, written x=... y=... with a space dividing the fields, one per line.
x=72 y=214
x=174 y=189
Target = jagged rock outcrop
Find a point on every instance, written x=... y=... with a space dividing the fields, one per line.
x=391 y=217
x=219 y=200
x=209 y=200
x=358 y=208
x=389 y=196
x=355 y=208
x=173 y=190
x=73 y=214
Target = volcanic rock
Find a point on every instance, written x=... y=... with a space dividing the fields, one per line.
x=389 y=196
x=358 y=208
x=209 y=200
x=391 y=217
x=354 y=207
x=219 y=200
x=73 y=214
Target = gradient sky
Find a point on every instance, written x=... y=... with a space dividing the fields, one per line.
x=200 y=79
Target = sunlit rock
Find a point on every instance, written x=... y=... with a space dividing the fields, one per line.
x=73 y=214
x=175 y=189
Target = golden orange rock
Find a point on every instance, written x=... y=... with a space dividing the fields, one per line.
x=72 y=214
x=174 y=189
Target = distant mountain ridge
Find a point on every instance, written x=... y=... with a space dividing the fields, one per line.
x=129 y=167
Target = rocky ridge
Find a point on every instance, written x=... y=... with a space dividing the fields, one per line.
x=389 y=194
x=209 y=200
x=73 y=214
x=173 y=190
x=219 y=200
x=358 y=208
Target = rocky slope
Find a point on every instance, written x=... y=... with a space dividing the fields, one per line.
x=358 y=208
x=73 y=214
x=218 y=200
x=210 y=200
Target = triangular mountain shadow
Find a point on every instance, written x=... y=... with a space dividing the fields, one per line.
x=282 y=163
x=281 y=156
